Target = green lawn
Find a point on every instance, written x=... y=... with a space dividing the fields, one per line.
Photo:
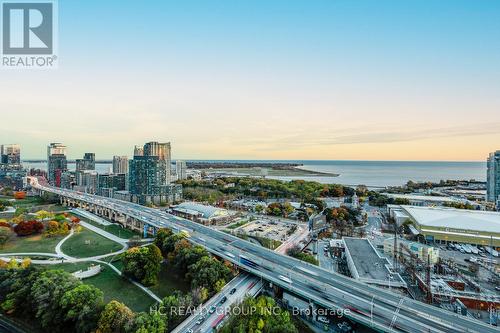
x=237 y=225
x=36 y=243
x=114 y=229
x=87 y=243
x=268 y=243
x=29 y=201
x=169 y=281
x=113 y=286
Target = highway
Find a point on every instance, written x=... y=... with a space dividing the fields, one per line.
x=377 y=308
x=214 y=311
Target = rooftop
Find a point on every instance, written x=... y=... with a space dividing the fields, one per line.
x=416 y=197
x=369 y=265
x=475 y=220
x=206 y=212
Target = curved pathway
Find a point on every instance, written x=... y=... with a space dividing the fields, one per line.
x=60 y=258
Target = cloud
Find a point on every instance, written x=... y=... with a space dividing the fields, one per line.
x=364 y=135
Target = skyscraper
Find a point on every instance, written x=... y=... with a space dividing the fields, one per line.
x=181 y=170
x=120 y=164
x=86 y=163
x=138 y=151
x=56 y=163
x=493 y=177
x=149 y=175
x=164 y=152
x=87 y=181
x=10 y=154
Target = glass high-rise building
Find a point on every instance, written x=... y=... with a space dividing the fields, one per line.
x=149 y=176
x=181 y=170
x=120 y=164
x=493 y=177
x=164 y=153
x=10 y=154
x=56 y=163
x=86 y=163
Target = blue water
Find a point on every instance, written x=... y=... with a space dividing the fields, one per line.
x=371 y=173
x=389 y=173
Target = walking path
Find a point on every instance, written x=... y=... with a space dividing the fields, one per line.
x=104 y=233
x=60 y=258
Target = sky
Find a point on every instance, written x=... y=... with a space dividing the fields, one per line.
x=321 y=80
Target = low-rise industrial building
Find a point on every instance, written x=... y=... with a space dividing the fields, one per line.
x=367 y=265
x=421 y=251
x=204 y=214
x=424 y=200
x=449 y=225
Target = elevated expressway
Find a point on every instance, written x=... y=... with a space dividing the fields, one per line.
x=380 y=309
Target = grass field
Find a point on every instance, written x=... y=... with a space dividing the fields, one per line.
x=169 y=281
x=87 y=243
x=237 y=225
x=268 y=243
x=36 y=243
x=29 y=201
x=113 y=286
x=114 y=229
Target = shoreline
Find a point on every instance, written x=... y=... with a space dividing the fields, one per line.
x=316 y=173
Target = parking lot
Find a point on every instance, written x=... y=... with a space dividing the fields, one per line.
x=268 y=229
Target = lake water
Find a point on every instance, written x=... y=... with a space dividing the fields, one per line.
x=371 y=173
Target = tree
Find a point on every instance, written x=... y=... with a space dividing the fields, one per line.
x=295 y=252
x=26 y=228
x=207 y=271
x=150 y=323
x=115 y=318
x=5 y=235
x=47 y=292
x=43 y=214
x=143 y=264
x=188 y=256
x=180 y=248
x=15 y=290
x=261 y=315
x=82 y=306
x=200 y=294
x=20 y=211
x=175 y=307
x=219 y=284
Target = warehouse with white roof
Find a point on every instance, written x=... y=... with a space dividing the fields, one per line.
x=207 y=215
x=445 y=225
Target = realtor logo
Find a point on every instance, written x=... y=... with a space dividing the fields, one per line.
x=28 y=34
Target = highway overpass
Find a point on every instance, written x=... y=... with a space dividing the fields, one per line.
x=380 y=309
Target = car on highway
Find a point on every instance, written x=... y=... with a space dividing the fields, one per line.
x=200 y=320
x=232 y=291
x=212 y=309
x=284 y=278
x=223 y=300
x=344 y=327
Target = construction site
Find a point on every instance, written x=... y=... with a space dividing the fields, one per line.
x=469 y=288
x=447 y=283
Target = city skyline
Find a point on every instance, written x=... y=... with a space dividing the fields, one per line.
x=276 y=80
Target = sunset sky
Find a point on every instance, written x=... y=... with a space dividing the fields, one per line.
x=360 y=80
